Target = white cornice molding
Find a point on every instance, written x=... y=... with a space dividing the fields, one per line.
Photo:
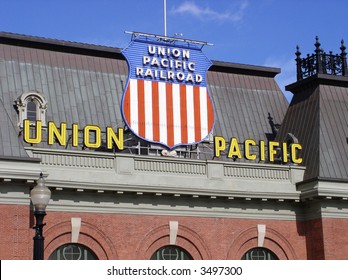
x=234 y=211
x=128 y=173
x=14 y=193
x=20 y=170
x=323 y=189
x=237 y=190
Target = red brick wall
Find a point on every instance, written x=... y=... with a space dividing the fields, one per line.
x=115 y=236
x=335 y=232
x=315 y=240
x=15 y=232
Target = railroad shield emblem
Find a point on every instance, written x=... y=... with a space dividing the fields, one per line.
x=166 y=99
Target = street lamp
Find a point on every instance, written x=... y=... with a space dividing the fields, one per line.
x=40 y=196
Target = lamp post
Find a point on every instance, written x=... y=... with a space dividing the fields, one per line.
x=40 y=196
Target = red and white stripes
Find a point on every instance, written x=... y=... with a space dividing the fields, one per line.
x=171 y=114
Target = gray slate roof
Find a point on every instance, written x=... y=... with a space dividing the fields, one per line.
x=243 y=104
x=318 y=116
x=84 y=84
x=10 y=141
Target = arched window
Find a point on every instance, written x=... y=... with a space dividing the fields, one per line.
x=73 y=251
x=31 y=106
x=171 y=253
x=31 y=111
x=259 y=253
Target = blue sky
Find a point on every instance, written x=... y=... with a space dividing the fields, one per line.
x=257 y=32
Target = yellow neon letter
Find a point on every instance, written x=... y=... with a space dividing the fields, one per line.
x=247 y=144
x=26 y=134
x=53 y=132
x=285 y=152
x=219 y=145
x=111 y=138
x=86 y=136
x=262 y=150
x=294 y=158
x=272 y=149
x=234 y=150
x=75 y=135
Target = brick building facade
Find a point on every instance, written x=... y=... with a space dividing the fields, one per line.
x=139 y=203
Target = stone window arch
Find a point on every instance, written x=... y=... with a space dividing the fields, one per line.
x=31 y=106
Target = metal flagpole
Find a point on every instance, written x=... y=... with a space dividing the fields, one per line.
x=165 y=16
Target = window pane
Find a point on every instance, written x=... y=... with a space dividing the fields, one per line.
x=31 y=111
x=259 y=254
x=171 y=253
x=73 y=251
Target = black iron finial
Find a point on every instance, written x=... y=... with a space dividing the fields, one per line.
x=344 y=59
x=343 y=48
x=318 y=51
x=298 y=53
x=317 y=44
x=298 y=63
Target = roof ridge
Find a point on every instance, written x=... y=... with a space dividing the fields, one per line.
x=57 y=42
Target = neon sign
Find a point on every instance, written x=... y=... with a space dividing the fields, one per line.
x=166 y=100
x=58 y=135
x=286 y=152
